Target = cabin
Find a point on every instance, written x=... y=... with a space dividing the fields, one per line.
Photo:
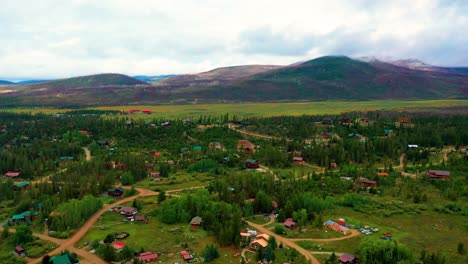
x=289 y=223
x=19 y=251
x=196 y=222
x=147 y=257
x=118 y=245
x=246 y=146
x=155 y=153
x=327 y=121
x=128 y=211
x=357 y=137
x=438 y=174
x=326 y=135
x=389 y=133
x=345 y=121
x=252 y=164
x=146 y=112
x=367 y=183
x=186 y=256
x=62 y=259
x=132 y=111
x=67 y=158
x=20 y=186
x=382 y=174
x=298 y=160
x=363 y=121
x=84 y=132
x=140 y=218
x=347 y=259
x=215 y=146
x=23 y=217
x=260 y=241
x=337 y=227
x=155 y=174
x=116 y=192
x=197 y=148
x=12 y=174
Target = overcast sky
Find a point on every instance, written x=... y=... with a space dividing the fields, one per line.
x=63 y=38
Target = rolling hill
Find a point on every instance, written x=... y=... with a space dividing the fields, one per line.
x=2 y=82
x=321 y=79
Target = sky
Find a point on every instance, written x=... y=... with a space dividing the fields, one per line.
x=58 y=39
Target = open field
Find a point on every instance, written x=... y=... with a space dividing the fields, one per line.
x=267 y=109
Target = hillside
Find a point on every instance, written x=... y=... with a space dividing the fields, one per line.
x=152 y=78
x=321 y=79
x=217 y=76
x=97 y=80
x=2 y=82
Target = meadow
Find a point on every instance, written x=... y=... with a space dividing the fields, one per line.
x=266 y=109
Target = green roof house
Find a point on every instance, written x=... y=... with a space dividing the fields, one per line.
x=63 y=259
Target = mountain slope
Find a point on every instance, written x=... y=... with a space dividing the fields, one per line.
x=154 y=78
x=217 y=76
x=2 y=82
x=97 y=80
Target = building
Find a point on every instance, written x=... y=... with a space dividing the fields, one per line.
x=289 y=223
x=118 y=245
x=345 y=121
x=21 y=186
x=347 y=259
x=19 y=251
x=382 y=174
x=62 y=259
x=116 y=192
x=196 y=222
x=186 y=256
x=197 y=148
x=403 y=122
x=215 y=146
x=363 y=121
x=23 y=217
x=438 y=174
x=298 y=160
x=327 y=121
x=246 y=146
x=140 y=218
x=367 y=183
x=128 y=211
x=389 y=133
x=148 y=257
x=412 y=146
x=146 y=112
x=12 y=174
x=252 y=164
x=337 y=227
x=260 y=241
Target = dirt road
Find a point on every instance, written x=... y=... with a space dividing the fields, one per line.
x=88 y=153
x=354 y=233
x=253 y=134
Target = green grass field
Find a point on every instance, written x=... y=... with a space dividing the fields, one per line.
x=267 y=109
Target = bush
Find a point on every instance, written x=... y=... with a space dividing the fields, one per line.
x=280 y=229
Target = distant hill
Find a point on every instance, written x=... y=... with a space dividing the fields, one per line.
x=217 y=76
x=324 y=78
x=154 y=78
x=30 y=82
x=97 y=80
x=2 y=82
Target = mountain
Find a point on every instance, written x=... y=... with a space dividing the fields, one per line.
x=324 y=78
x=30 y=82
x=2 y=82
x=217 y=76
x=106 y=79
x=154 y=78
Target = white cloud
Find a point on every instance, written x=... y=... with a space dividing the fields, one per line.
x=55 y=38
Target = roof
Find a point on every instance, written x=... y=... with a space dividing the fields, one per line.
x=298 y=158
x=439 y=172
x=388 y=131
x=346 y=258
x=145 y=256
x=127 y=209
x=384 y=174
x=139 y=218
x=63 y=259
x=197 y=148
x=265 y=237
x=185 y=255
x=19 y=249
x=22 y=184
x=289 y=222
x=196 y=220
x=251 y=161
x=245 y=234
x=118 y=245
x=261 y=242
x=12 y=174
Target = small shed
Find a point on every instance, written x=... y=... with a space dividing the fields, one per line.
x=186 y=256
x=289 y=223
x=116 y=192
x=12 y=174
x=347 y=259
x=147 y=257
x=19 y=251
x=21 y=186
x=252 y=164
x=196 y=222
x=438 y=174
x=298 y=160
x=118 y=245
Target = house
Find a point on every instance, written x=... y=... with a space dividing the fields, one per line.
x=140 y=218
x=308 y=141
x=327 y=121
x=19 y=251
x=128 y=211
x=215 y=146
x=403 y=122
x=246 y=146
x=118 y=245
x=260 y=241
x=146 y=112
x=357 y=137
x=186 y=256
x=389 y=133
x=326 y=135
x=298 y=160
x=196 y=222
x=62 y=259
x=132 y=111
x=347 y=259
x=337 y=227
x=289 y=223
x=197 y=148
x=362 y=121
x=20 y=186
x=245 y=236
x=84 y=132
x=155 y=174
x=23 y=217
x=147 y=257
x=155 y=153
x=116 y=192
x=12 y=174
x=367 y=183
x=67 y=158
x=252 y=164
x=102 y=143
x=382 y=174
x=438 y=174
x=345 y=121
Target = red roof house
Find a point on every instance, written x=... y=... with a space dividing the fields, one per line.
x=118 y=245
x=147 y=257
x=146 y=112
x=382 y=174
x=347 y=259
x=298 y=160
x=438 y=174
x=246 y=145
x=289 y=223
x=185 y=255
x=367 y=183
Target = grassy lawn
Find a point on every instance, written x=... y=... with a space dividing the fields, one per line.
x=267 y=109
x=310 y=231
x=258 y=219
x=179 y=180
x=166 y=240
x=33 y=249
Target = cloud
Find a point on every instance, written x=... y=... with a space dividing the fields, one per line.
x=52 y=38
